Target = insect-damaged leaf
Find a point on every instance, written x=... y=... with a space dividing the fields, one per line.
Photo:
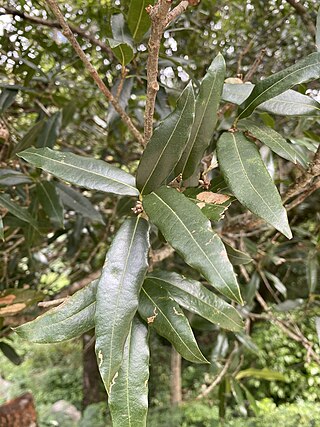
x=189 y=232
x=71 y=319
x=304 y=70
x=193 y=296
x=138 y=19
x=166 y=144
x=271 y=138
x=128 y=398
x=84 y=171
x=207 y=104
x=167 y=318
x=117 y=294
x=249 y=180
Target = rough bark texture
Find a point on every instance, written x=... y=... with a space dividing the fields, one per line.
x=19 y=412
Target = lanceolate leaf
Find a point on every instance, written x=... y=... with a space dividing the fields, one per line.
x=249 y=180
x=50 y=131
x=10 y=353
x=165 y=315
x=128 y=398
x=74 y=200
x=167 y=144
x=118 y=293
x=138 y=19
x=207 y=104
x=189 y=232
x=69 y=320
x=17 y=210
x=51 y=202
x=196 y=298
x=29 y=138
x=7 y=97
x=271 y=138
x=235 y=256
x=303 y=71
x=84 y=171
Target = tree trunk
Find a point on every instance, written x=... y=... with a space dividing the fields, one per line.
x=176 y=392
x=92 y=384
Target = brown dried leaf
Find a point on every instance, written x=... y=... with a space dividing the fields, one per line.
x=11 y=310
x=209 y=197
x=8 y=299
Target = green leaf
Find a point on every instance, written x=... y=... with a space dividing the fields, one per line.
x=247 y=342
x=74 y=200
x=17 y=210
x=271 y=138
x=121 y=42
x=318 y=31
x=196 y=298
x=206 y=108
x=249 y=180
x=11 y=177
x=50 y=200
x=7 y=98
x=263 y=374
x=189 y=232
x=238 y=395
x=71 y=319
x=117 y=294
x=29 y=138
x=138 y=19
x=128 y=399
x=166 y=144
x=288 y=103
x=10 y=353
x=84 y=171
x=167 y=318
x=50 y=131
x=303 y=71
x=235 y=256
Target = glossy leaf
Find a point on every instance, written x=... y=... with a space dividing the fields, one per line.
x=196 y=298
x=138 y=19
x=17 y=210
x=271 y=138
x=74 y=200
x=212 y=205
x=167 y=318
x=10 y=353
x=7 y=98
x=166 y=144
x=50 y=131
x=206 y=108
x=189 y=232
x=249 y=180
x=303 y=71
x=235 y=256
x=70 y=319
x=50 y=200
x=289 y=103
x=128 y=399
x=84 y=171
x=263 y=374
x=121 y=43
x=117 y=294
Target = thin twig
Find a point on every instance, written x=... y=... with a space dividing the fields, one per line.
x=103 y=88
x=52 y=24
x=304 y=14
x=53 y=303
x=177 y=11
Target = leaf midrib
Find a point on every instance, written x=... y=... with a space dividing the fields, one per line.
x=170 y=324
x=197 y=244
x=274 y=84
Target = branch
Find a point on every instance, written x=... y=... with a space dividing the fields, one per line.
x=94 y=74
x=304 y=14
x=53 y=24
